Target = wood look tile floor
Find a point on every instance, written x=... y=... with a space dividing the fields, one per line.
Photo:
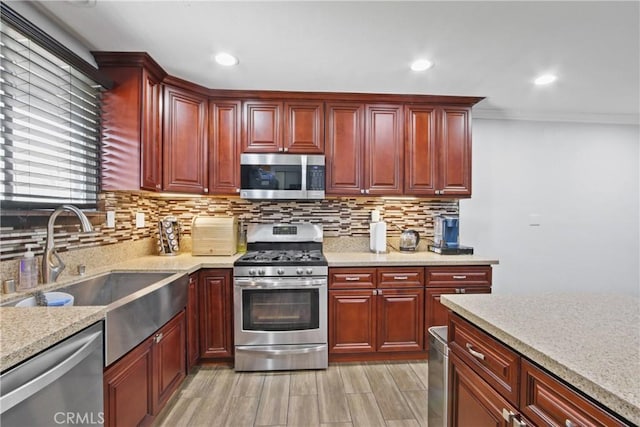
x=392 y=394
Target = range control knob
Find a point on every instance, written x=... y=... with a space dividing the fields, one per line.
x=261 y=272
x=299 y=271
x=309 y=271
x=252 y=272
x=280 y=271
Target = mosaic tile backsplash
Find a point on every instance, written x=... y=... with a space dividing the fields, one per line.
x=340 y=217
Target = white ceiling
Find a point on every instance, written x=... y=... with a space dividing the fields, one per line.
x=491 y=49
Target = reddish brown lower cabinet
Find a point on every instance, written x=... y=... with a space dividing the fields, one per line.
x=492 y=385
x=352 y=321
x=546 y=401
x=472 y=401
x=216 y=314
x=137 y=386
x=451 y=280
x=370 y=323
x=400 y=319
x=193 y=327
x=128 y=388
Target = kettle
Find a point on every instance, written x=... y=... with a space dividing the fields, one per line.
x=409 y=240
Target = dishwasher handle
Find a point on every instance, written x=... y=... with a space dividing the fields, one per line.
x=34 y=385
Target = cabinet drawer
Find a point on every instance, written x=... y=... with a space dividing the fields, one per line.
x=492 y=360
x=400 y=277
x=352 y=278
x=457 y=276
x=546 y=401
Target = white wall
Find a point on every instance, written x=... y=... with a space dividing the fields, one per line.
x=583 y=182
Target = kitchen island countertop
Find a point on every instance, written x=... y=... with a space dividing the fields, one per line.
x=591 y=341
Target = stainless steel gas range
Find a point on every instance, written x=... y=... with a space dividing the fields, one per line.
x=280 y=299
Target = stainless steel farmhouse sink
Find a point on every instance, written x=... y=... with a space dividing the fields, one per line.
x=138 y=304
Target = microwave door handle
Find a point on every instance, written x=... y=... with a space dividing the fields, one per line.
x=303 y=184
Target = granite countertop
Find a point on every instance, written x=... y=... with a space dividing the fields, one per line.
x=393 y=258
x=26 y=331
x=592 y=341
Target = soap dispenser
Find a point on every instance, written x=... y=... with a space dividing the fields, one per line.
x=28 y=274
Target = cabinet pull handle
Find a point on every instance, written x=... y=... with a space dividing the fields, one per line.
x=361 y=191
x=286 y=149
x=400 y=277
x=379 y=291
x=474 y=353
x=375 y=292
x=237 y=190
x=206 y=190
x=351 y=279
x=366 y=191
x=506 y=414
x=158 y=337
x=280 y=148
x=519 y=423
x=459 y=277
x=569 y=423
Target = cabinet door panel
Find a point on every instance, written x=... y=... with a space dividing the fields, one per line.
x=169 y=356
x=216 y=325
x=455 y=152
x=546 y=401
x=472 y=401
x=352 y=321
x=400 y=319
x=185 y=137
x=128 y=388
x=224 y=147
x=420 y=147
x=344 y=148
x=262 y=128
x=384 y=150
x=151 y=139
x=304 y=127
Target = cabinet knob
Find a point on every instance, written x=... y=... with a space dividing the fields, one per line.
x=158 y=186
x=507 y=415
x=280 y=148
x=206 y=190
x=158 y=337
x=361 y=191
x=286 y=149
x=366 y=191
x=569 y=423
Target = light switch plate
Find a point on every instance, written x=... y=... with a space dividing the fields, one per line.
x=111 y=219
x=139 y=219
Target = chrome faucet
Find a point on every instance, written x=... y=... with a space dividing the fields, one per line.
x=51 y=268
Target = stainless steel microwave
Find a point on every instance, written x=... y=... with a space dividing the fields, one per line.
x=282 y=176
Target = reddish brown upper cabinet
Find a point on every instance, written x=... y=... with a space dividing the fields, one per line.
x=454 y=165
x=364 y=149
x=344 y=148
x=287 y=127
x=438 y=147
x=304 y=127
x=185 y=141
x=216 y=314
x=131 y=122
x=225 y=127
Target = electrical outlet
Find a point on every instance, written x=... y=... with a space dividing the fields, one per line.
x=139 y=219
x=534 y=220
x=111 y=219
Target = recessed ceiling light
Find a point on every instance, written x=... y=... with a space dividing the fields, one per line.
x=421 y=65
x=226 y=59
x=545 y=79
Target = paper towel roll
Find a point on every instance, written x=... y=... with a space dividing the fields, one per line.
x=378 y=237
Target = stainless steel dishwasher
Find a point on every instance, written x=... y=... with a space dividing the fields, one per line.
x=438 y=376
x=60 y=386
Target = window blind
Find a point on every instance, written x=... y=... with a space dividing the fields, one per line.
x=50 y=134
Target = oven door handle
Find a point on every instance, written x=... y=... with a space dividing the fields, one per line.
x=282 y=352
x=279 y=284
